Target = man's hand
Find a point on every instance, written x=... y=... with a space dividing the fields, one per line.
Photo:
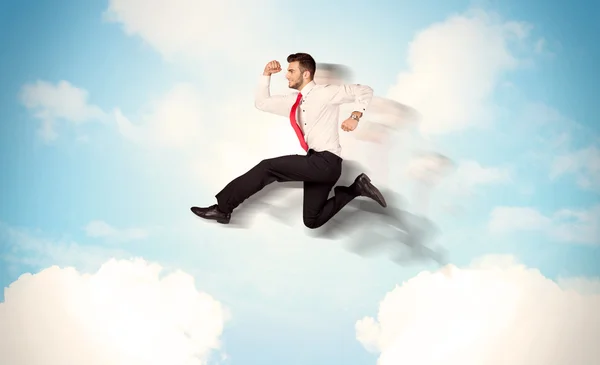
x=349 y=124
x=272 y=67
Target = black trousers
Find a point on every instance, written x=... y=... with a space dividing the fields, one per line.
x=318 y=170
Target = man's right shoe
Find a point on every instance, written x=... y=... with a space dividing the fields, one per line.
x=363 y=187
x=213 y=213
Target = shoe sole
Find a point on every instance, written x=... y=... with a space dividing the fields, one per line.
x=218 y=220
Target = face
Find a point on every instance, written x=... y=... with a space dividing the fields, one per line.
x=294 y=76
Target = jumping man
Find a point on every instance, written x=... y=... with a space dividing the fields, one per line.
x=314 y=115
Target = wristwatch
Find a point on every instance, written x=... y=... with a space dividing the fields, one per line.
x=355 y=117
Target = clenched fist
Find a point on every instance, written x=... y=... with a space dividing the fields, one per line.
x=272 y=67
x=349 y=124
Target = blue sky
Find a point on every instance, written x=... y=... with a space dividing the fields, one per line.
x=154 y=102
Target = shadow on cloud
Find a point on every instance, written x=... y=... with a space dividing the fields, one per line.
x=364 y=227
x=367 y=229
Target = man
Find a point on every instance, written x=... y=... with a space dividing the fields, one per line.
x=313 y=113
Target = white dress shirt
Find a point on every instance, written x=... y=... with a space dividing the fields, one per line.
x=318 y=112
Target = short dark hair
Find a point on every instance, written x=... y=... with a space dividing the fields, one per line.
x=305 y=61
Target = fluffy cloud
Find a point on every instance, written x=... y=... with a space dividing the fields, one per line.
x=509 y=219
x=563 y=147
x=583 y=164
x=173 y=121
x=193 y=30
x=60 y=101
x=566 y=225
x=472 y=174
x=29 y=248
x=125 y=313
x=98 y=228
x=454 y=67
x=580 y=284
x=548 y=130
x=493 y=312
x=460 y=180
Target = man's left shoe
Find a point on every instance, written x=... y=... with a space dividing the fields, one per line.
x=213 y=213
x=363 y=186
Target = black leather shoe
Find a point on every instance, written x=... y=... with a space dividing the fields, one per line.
x=363 y=187
x=213 y=213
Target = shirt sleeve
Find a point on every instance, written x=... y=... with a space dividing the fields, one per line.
x=275 y=104
x=359 y=95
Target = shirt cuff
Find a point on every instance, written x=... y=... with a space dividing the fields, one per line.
x=359 y=108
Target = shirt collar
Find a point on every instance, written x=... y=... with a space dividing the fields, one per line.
x=307 y=88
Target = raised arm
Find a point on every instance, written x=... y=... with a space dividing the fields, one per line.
x=276 y=104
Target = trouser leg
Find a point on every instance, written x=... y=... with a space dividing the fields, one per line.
x=314 y=167
x=317 y=208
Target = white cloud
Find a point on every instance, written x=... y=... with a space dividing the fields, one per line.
x=548 y=126
x=566 y=225
x=583 y=164
x=494 y=312
x=547 y=48
x=98 y=228
x=563 y=147
x=193 y=30
x=510 y=219
x=125 y=313
x=467 y=179
x=60 y=101
x=22 y=247
x=177 y=120
x=471 y=174
x=454 y=67
x=580 y=284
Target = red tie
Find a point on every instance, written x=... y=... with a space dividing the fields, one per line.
x=295 y=123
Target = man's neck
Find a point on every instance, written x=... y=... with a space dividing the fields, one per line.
x=303 y=86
